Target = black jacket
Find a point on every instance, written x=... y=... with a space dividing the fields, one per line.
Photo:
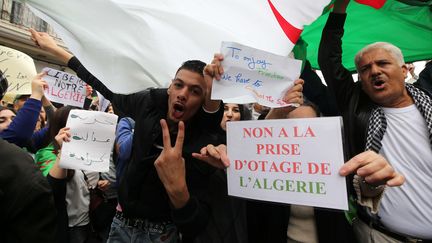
x=354 y=105
x=141 y=193
x=425 y=78
x=27 y=211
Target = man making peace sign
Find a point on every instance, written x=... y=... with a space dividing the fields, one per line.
x=162 y=191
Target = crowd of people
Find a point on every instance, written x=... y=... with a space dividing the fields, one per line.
x=167 y=180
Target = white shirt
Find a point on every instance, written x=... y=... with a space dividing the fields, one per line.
x=407 y=209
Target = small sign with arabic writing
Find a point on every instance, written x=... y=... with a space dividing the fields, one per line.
x=92 y=140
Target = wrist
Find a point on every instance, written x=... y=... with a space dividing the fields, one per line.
x=61 y=53
x=36 y=96
x=179 y=196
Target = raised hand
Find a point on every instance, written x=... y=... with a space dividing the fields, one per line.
x=215 y=156
x=374 y=168
x=47 y=43
x=212 y=71
x=293 y=96
x=170 y=166
x=38 y=85
x=63 y=136
x=89 y=91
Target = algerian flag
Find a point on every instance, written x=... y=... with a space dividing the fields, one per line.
x=134 y=44
x=405 y=23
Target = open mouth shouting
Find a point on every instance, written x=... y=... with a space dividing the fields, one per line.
x=378 y=84
x=178 y=110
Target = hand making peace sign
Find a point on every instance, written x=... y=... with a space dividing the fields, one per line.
x=170 y=166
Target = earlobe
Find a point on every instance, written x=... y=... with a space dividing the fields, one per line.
x=405 y=70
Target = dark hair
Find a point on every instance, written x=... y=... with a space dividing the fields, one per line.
x=7 y=108
x=245 y=113
x=58 y=122
x=195 y=66
x=3 y=85
x=312 y=105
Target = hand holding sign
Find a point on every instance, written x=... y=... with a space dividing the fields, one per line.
x=215 y=156
x=212 y=71
x=293 y=96
x=215 y=69
x=64 y=88
x=63 y=135
x=374 y=168
x=170 y=166
x=252 y=75
x=38 y=85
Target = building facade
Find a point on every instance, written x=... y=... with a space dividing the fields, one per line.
x=15 y=21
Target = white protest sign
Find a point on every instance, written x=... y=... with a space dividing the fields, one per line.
x=255 y=75
x=64 y=88
x=19 y=69
x=92 y=139
x=294 y=161
x=103 y=103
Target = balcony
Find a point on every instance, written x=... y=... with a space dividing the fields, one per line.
x=15 y=20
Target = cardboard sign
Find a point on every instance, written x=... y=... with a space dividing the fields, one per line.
x=92 y=140
x=294 y=161
x=251 y=75
x=19 y=69
x=64 y=88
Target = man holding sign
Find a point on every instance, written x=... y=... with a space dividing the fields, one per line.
x=163 y=185
x=388 y=126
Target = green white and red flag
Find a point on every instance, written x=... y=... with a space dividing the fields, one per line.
x=134 y=44
x=404 y=23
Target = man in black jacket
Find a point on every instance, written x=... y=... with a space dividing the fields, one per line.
x=27 y=212
x=388 y=126
x=163 y=186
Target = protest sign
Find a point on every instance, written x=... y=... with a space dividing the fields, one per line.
x=294 y=161
x=103 y=103
x=92 y=139
x=255 y=76
x=19 y=69
x=64 y=88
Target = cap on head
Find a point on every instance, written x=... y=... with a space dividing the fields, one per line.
x=21 y=96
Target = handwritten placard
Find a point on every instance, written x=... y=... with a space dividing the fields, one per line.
x=103 y=103
x=64 y=88
x=92 y=139
x=255 y=75
x=18 y=68
x=294 y=161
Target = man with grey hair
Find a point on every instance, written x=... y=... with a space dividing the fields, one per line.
x=388 y=127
